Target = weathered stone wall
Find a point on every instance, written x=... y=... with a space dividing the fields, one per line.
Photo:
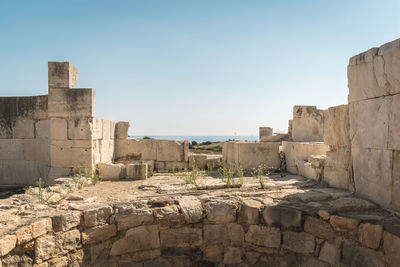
x=305 y=158
x=250 y=155
x=24 y=139
x=48 y=136
x=338 y=171
x=308 y=124
x=166 y=154
x=374 y=110
x=187 y=231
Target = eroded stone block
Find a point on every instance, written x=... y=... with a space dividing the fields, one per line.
x=263 y=236
x=58 y=129
x=181 y=237
x=299 y=242
x=11 y=149
x=337 y=126
x=42 y=129
x=136 y=239
x=121 y=130
x=62 y=74
x=372 y=175
x=136 y=171
x=308 y=124
x=24 y=129
x=110 y=171
x=369 y=122
x=36 y=150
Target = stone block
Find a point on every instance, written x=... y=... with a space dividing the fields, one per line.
x=62 y=74
x=80 y=128
x=344 y=224
x=221 y=211
x=396 y=181
x=296 y=153
x=353 y=255
x=233 y=255
x=112 y=129
x=42 y=129
x=110 y=171
x=394 y=123
x=106 y=129
x=121 y=130
x=68 y=103
x=337 y=126
x=67 y=221
x=369 y=122
x=24 y=129
x=299 y=242
x=318 y=228
x=7 y=244
x=135 y=217
x=106 y=150
x=330 y=253
x=137 y=171
x=235 y=234
x=11 y=149
x=191 y=208
x=279 y=137
x=136 y=239
x=308 y=124
x=252 y=155
x=215 y=234
x=68 y=241
x=96 y=215
x=144 y=149
x=37 y=150
x=72 y=153
x=58 y=129
x=338 y=168
x=230 y=153
x=98 y=234
x=169 y=150
x=371 y=176
x=45 y=247
x=213 y=253
x=22 y=172
x=391 y=247
x=265 y=132
x=264 y=236
x=288 y=217
x=250 y=212
x=370 y=235
x=181 y=237
x=374 y=73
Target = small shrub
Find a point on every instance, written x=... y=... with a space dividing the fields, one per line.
x=146 y=137
x=194 y=143
x=259 y=173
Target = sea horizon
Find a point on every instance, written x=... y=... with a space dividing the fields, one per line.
x=200 y=138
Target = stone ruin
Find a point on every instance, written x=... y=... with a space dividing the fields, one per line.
x=353 y=148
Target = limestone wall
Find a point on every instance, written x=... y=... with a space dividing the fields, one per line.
x=308 y=124
x=48 y=136
x=24 y=139
x=187 y=231
x=250 y=155
x=166 y=154
x=338 y=171
x=374 y=111
x=305 y=158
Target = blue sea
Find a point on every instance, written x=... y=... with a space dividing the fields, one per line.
x=201 y=139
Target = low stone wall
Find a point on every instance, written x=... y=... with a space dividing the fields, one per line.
x=166 y=154
x=250 y=155
x=192 y=231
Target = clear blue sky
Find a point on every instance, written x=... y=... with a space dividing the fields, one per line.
x=194 y=67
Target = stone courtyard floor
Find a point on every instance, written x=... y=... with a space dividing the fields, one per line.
x=309 y=196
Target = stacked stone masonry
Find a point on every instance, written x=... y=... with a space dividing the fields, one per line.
x=190 y=231
x=57 y=134
x=374 y=108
